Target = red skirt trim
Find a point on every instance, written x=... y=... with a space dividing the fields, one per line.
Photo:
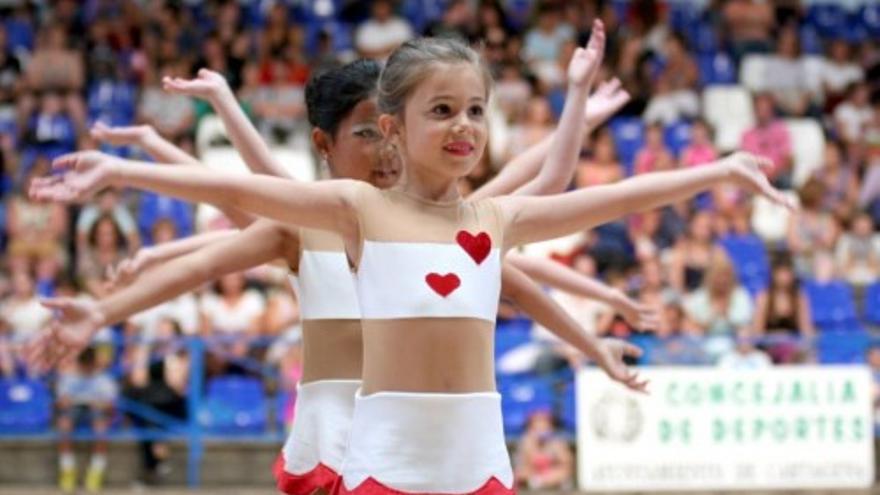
x=320 y=477
x=372 y=487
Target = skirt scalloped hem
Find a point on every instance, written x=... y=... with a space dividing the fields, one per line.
x=319 y=478
x=372 y=487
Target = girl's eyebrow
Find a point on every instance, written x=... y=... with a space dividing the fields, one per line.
x=451 y=97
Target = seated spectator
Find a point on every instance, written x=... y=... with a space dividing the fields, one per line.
x=654 y=151
x=543 y=459
x=534 y=124
x=104 y=250
x=701 y=149
x=512 y=91
x=675 y=97
x=840 y=181
x=839 y=72
x=813 y=229
x=673 y=345
x=654 y=231
x=107 y=203
x=787 y=78
x=159 y=379
x=854 y=115
x=782 y=316
x=749 y=25
x=22 y=317
x=57 y=68
x=172 y=115
x=235 y=315
x=11 y=82
x=379 y=35
x=692 y=255
x=668 y=105
x=280 y=106
x=721 y=307
x=544 y=41
x=601 y=166
x=50 y=131
x=858 y=252
x=36 y=231
x=745 y=356
x=770 y=138
x=85 y=394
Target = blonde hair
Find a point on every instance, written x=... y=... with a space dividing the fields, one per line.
x=414 y=60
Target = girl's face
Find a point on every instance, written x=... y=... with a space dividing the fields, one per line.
x=783 y=277
x=444 y=131
x=654 y=137
x=232 y=283
x=106 y=235
x=699 y=134
x=22 y=285
x=355 y=152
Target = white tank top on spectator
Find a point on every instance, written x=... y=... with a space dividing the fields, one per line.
x=237 y=319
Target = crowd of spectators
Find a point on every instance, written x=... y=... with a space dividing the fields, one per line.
x=69 y=67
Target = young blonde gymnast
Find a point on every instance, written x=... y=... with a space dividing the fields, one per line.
x=428 y=263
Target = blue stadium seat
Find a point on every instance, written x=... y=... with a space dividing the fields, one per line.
x=340 y=32
x=234 y=405
x=506 y=341
x=25 y=407
x=811 y=42
x=831 y=305
x=716 y=69
x=829 y=19
x=872 y=304
x=422 y=12
x=112 y=102
x=677 y=136
x=750 y=261
x=568 y=410
x=521 y=325
x=629 y=136
x=869 y=17
x=154 y=207
x=520 y=397
x=842 y=347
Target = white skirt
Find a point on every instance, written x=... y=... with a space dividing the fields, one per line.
x=418 y=443
x=315 y=448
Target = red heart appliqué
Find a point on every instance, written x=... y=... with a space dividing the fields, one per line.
x=477 y=246
x=443 y=284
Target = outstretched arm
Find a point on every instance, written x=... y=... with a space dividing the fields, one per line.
x=326 y=205
x=147 y=257
x=531 y=219
x=212 y=87
x=605 y=102
x=147 y=138
x=162 y=150
x=565 y=279
x=608 y=354
x=78 y=320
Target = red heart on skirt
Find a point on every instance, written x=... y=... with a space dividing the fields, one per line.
x=443 y=284
x=477 y=246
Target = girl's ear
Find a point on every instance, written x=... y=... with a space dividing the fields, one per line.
x=322 y=142
x=388 y=125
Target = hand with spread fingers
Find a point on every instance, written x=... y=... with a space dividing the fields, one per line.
x=586 y=62
x=207 y=86
x=641 y=316
x=747 y=171
x=84 y=173
x=611 y=353
x=608 y=98
x=76 y=322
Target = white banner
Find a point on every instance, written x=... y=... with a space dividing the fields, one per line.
x=714 y=429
